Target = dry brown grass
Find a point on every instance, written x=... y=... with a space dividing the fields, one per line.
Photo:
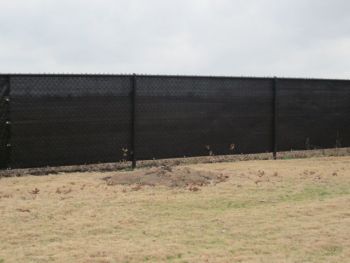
x=267 y=211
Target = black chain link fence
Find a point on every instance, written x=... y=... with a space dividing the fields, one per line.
x=63 y=120
x=51 y=120
x=191 y=116
x=313 y=114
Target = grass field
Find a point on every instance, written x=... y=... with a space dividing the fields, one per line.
x=267 y=211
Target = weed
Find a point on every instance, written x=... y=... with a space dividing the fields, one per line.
x=331 y=250
x=35 y=191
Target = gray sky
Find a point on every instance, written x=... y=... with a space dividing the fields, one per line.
x=290 y=38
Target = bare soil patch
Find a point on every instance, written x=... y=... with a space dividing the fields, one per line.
x=167 y=176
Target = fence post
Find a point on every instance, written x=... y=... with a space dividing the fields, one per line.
x=6 y=133
x=275 y=118
x=133 y=120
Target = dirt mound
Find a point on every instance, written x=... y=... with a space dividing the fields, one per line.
x=167 y=176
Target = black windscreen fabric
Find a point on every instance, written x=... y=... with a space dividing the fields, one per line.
x=313 y=114
x=200 y=116
x=52 y=120
x=63 y=120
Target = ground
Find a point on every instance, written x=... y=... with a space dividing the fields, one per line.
x=265 y=211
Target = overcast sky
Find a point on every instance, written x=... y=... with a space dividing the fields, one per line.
x=291 y=38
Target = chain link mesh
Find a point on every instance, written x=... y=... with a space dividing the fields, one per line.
x=62 y=120
x=313 y=114
x=201 y=116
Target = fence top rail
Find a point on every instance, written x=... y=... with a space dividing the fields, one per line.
x=164 y=76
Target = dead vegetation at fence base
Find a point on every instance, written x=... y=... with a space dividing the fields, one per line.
x=118 y=166
x=167 y=176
